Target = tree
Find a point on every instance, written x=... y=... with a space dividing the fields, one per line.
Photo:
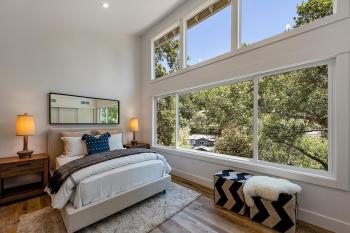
x=234 y=142
x=167 y=53
x=166 y=121
x=311 y=10
x=293 y=109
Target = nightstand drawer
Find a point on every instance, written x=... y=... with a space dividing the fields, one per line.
x=20 y=168
x=13 y=166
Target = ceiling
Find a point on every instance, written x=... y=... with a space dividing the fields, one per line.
x=122 y=16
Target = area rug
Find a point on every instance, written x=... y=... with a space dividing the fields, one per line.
x=140 y=218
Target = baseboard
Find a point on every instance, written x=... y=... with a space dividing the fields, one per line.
x=304 y=215
x=325 y=222
x=196 y=179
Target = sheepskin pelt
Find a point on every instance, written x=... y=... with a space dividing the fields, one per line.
x=268 y=188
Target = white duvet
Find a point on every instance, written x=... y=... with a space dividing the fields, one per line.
x=61 y=198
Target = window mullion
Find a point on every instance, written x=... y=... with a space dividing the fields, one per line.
x=177 y=128
x=330 y=118
x=154 y=120
x=182 y=52
x=235 y=24
x=256 y=120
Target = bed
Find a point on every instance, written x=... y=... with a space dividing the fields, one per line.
x=105 y=193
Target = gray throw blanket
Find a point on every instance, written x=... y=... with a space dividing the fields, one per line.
x=63 y=172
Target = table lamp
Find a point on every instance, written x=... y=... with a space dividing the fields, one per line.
x=134 y=127
x=25 y=126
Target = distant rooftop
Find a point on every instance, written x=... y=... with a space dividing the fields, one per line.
x=199 y=136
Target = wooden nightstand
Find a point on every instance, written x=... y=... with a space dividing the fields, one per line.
x=13 y=166
x=138 y=145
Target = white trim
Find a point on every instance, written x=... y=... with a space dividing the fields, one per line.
x=257 y=166
x=177 y=119
x=159 y=35
x=199 y=9
x=235 y=24
x=189 y=16
x=154 y=119
x=182 y=44
x=331 y=119
x=341 y=120
x=256 y=120
x=323 y=221
x=343 y=15
x=327 y=178
x=252 y=76
x=197 y=179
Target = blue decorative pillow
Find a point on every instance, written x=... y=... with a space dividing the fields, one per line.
x=96 y=144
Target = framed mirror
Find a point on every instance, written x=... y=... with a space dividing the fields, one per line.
x=72 y=109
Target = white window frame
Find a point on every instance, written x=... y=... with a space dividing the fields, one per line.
x=164 y=32
x=337 y=165
x=341 y=11
x=234 y=32
x=239 y=19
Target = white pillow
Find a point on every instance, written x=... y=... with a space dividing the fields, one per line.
x=73 y=146
x=115 y=141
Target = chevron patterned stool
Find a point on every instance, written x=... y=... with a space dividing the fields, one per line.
x=279 y=215
x=228 y=190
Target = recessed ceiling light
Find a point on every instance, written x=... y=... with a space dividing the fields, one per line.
x=105 y=5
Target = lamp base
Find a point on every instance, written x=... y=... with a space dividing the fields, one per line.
x=134 y=142
x=26 y=153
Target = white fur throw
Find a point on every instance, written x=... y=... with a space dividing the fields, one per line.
x=268 y=188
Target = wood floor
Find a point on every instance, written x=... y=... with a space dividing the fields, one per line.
x=200 y=216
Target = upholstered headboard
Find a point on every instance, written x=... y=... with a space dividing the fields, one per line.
x=55 y=145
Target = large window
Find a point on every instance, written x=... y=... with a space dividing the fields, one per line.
x=293 y=118
x=263 y=19
x=280 y=118
x=166 y=53
x=218 y=120
x=209 y=33
x=225 y=26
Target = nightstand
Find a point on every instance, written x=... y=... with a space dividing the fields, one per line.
x=14 y=166
x=138 y=145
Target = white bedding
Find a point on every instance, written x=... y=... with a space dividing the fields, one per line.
x=106 y=179
x=65 y=159
x=109 y=183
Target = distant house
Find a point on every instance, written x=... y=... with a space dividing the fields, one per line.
x=201 y=141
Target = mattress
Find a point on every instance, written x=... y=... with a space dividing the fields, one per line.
x=107 y=184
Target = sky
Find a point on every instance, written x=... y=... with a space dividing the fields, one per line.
x=260 y=19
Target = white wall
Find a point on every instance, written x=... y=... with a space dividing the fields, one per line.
x=35 y=61
x=320 y=205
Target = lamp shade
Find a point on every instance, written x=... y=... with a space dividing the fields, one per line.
x=134 y=124
x=25 y=125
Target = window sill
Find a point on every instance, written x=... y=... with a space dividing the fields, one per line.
x=311 y=176
x=279 y=37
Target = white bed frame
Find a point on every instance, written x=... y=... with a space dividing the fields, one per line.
x=76 y=219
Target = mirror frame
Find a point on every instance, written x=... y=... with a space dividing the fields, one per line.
x=55 y=93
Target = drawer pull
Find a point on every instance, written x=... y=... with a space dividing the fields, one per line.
x=23 y=165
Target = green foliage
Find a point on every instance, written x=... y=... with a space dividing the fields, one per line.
x=225 y=112
x=166 y=121
x=311 y=10
x=112 y=116
x=293 y=109
x=167 y=52
x=234 y=142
